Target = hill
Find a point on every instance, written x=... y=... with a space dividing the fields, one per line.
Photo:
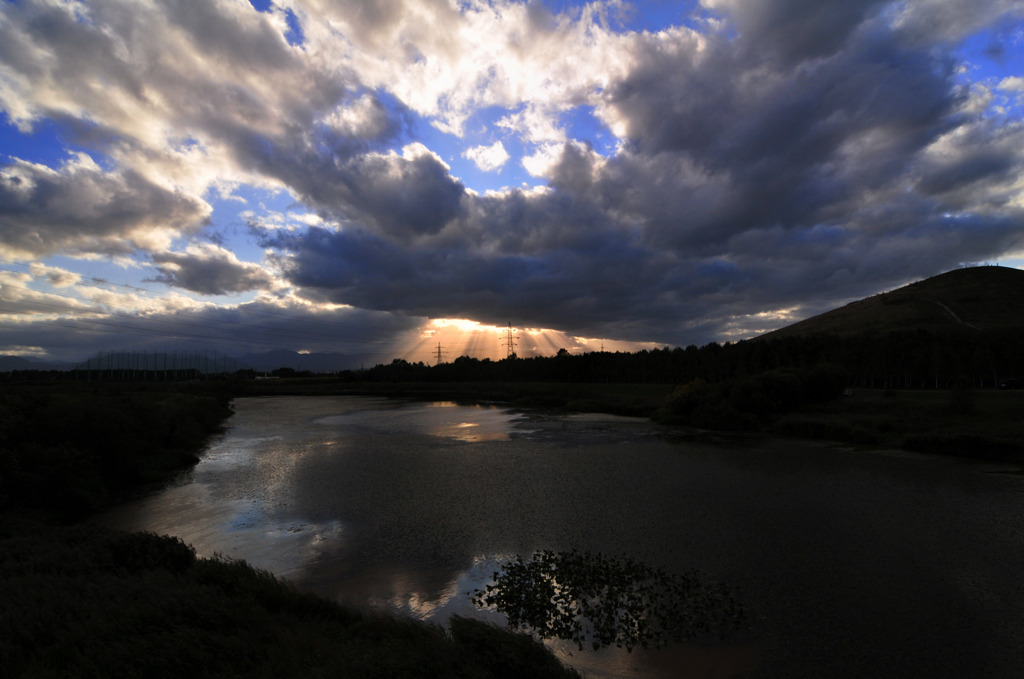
x=977 y=299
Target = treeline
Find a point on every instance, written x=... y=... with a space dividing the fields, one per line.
x=904 y=360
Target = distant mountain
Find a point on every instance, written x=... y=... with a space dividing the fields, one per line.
x=983 y=298
x=317 y=363
x=265 y=362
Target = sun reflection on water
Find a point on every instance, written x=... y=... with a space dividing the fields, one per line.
x=471 y=424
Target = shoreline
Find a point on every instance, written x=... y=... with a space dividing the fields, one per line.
x=985 y=424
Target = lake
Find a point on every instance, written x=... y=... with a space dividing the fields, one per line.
x=850 y=563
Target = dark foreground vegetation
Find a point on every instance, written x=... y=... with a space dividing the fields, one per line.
x=70 y=449
x=81 y=601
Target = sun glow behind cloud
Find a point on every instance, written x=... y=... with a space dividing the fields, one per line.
x=456 y=337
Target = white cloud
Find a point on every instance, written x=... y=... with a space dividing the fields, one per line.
x=488 y=158
x=1013 y=83
x=534 y=124
x=543 y=160
x=445 y=63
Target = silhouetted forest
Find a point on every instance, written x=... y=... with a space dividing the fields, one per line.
x=906 y=360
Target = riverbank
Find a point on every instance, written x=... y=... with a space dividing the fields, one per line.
x=986 y=424
x=85 y=602
x=636 y=400
x=81 y=601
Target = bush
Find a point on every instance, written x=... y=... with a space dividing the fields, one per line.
x=751 y=402
x=685 y=399
x=767 y=393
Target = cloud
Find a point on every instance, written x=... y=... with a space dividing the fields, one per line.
x=91 y=316
x=446 y=61
x=795 y=30
x=770 y=159
x=1013 y=83
x=210 y=270
x=55 y=276
x=946 y=21
x=488 y=158
x=80 y=208
x=742 y=183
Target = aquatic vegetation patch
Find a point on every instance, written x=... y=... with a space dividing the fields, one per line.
x=595 y=600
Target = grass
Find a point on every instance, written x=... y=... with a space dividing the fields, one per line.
x=985 y=297
x=984 y=424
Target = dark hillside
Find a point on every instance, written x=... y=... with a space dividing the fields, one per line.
x=979 y=299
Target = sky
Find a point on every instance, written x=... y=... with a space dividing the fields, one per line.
x=427 y=177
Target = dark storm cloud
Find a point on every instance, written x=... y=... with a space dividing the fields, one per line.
x=399 y=197
x=404 y=197
x=791 y=165
x=795 y=30
x=773 y=147
x=564 y=287
x=210 y=270
x=976 y=166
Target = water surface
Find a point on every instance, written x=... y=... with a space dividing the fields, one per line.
x=850 y=562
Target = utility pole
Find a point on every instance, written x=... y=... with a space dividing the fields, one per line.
x=510 y=341
x=439 y=354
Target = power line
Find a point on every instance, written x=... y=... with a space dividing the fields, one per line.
x=510 y=341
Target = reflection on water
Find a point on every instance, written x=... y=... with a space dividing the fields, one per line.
x=471 y=423
x=445 y=419
x=849 y=563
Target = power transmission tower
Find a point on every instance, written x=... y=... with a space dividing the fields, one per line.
x=510 y=342
x=439 y=354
